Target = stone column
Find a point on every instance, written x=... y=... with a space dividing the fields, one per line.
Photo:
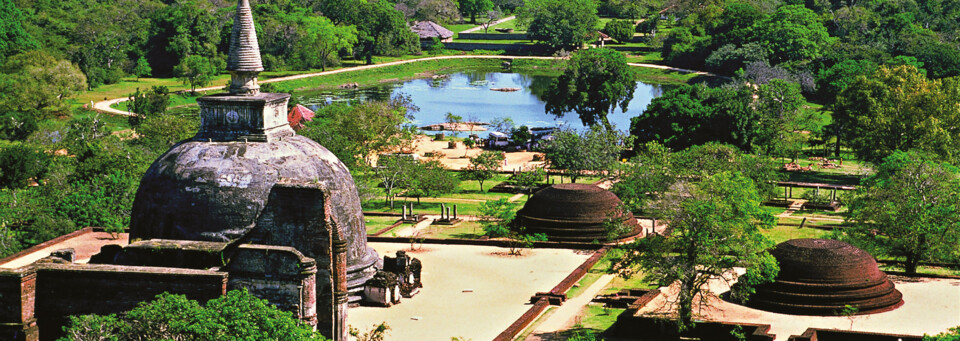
x=454 y=211
x=340 y=293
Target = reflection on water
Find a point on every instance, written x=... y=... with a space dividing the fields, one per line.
x=468 y=95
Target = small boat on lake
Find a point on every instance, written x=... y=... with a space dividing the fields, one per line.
x=505 y=89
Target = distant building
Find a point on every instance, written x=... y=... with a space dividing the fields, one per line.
x=427 y=30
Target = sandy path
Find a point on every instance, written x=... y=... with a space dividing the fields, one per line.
x=565 y=316
x=473 y=292
x=474 y=29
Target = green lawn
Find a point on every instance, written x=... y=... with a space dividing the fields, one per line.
x=377 y=223
x=463 y=230
x=782 y=233
x=507 y=24
x=457 y=28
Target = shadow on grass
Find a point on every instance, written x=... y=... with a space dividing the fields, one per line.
x=821 y=177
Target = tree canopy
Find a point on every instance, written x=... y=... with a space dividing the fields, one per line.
x=578 y=153
x=716 y=225
x=910 y=208
x=594 y=83
x=898 y=108
x=238 y=315
x=559 y=24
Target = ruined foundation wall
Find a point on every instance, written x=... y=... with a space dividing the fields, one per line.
x=17 y=296
x=72 y=289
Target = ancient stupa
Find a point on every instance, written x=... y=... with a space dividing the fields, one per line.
x=221 y=185
x=575 y=212
x=821 y=277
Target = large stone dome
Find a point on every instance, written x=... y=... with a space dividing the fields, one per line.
x=215 y=191
x=575 y=212
x=821 y=277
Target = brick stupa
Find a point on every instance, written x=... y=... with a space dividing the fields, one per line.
x=575 y=212
x=821 y=277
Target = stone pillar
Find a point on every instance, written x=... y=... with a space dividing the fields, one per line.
x=403 y=212
x=448 y=213
x=442 y=208
x=454 y=211
x=340 y=293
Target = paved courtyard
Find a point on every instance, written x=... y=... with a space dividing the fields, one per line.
x=472 y=292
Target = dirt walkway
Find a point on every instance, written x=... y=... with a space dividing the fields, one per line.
x=498 y=22
x=565 y=316
x=104 y=106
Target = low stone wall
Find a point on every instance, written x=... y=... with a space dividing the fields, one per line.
x=522 y=48
x=492 y=36
x=813 y=334
x=487 y=242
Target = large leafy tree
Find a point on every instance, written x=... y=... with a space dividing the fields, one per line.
x=322 y=41
x=429 y=179
x=909 y=209
x=236 y=316
x=36 y=80
x=715 y=226
x=472 y=8
x=793 y=33
x=594 y=83
x=578 y=153
x=559 y=24
x=358 y=131
x=381 y=30
x=898 y=108
x=195 y=71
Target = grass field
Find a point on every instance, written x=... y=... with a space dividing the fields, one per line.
x=377 y=223
x=463 y=230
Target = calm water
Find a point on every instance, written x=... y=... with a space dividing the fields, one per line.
x=468 y=95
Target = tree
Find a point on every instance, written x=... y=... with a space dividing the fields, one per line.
x=645 y=177
x=472 y=8
x=13 y=38
x=492 y=17
x=40 y=81
x=321 y=42
x=910 y=208
x=793 y=33
x=429 y=179
x=19 y=164
x=559 y=24
x=196 y=71
x=501 y=124
x=897 y=108
x=952 y=335
x=483 y=167
x=355 y=132
x=238 y=315
x=381 y=30
x=621 y=30
x=528 y=179
x=520 y=135
x=392 y=171
x=147 y=104
x=592 y=150
x=497 y=216
x=142 y=68
x=17 y=125
x=594 y=83
x=716 y=226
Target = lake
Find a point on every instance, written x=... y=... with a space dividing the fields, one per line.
x=468 y=95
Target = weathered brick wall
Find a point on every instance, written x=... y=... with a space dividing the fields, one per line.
x=17 y=295
x=278 y=274
x=72 y=289
x=295 y=216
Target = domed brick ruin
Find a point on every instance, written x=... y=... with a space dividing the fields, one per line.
x=822 y=277
x=576 y=213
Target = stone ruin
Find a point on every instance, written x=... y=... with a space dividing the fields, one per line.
x=575 y=213
x=822 y=277
x=400 y=278
x=246 y=203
